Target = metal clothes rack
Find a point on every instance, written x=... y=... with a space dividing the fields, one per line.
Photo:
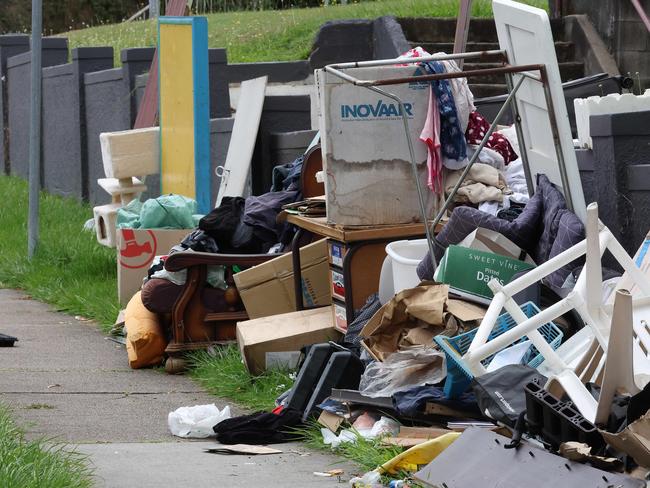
x=524 y=72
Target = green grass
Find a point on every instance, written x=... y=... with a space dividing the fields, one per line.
x=38 y=463
x=223 y=374
x=70 y=269
x=274 y=35
x=367 y=453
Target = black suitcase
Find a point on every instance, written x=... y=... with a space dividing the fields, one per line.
x=343 y=370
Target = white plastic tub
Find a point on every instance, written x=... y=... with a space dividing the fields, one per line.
x=404 y=258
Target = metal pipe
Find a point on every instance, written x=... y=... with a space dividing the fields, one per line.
x=642 y=14
x=35 y=128
x=441 y=76
x=474 y=157
x=556 y=140
x=414 y=166
x=423 y=59
x=523 y=154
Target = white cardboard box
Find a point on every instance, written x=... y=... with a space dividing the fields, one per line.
x=369 y=178
x=136 y=249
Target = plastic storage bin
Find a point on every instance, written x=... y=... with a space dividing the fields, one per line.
x=404 y=259
x=459 y=375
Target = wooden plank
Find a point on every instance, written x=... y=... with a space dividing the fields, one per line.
x=319 y=225
x=148 y=110
x=462 y=28
x=244 y=136
x=184 y=109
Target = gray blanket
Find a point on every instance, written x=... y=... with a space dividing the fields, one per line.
x=545 y=228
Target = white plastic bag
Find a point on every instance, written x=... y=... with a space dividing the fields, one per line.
x=403 y=370
x=196 y=421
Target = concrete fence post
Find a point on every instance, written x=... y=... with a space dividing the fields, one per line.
x=135 y=61
x=10 y=45
x=54 y=52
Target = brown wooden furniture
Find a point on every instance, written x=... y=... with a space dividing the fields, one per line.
x=193 y=326
x=356 y=255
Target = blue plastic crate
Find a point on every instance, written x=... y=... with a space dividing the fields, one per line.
x=459 y=375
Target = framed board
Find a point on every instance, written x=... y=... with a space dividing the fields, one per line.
x=184 y=108
x=242 y=141
x=525 y=34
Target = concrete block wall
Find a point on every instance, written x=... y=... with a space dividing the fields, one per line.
x=622 y=30
x=110 y=106
x=64 y=143
x=621 y=152
x=17 y=88
x=10 y=45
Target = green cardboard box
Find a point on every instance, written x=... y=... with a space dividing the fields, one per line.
x=468 y=271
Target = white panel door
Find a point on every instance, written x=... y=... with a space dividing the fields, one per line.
x=525 y=34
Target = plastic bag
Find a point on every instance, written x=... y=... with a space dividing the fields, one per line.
x=196 y=421
x=168 y=211
x=128 y=216
x=402 y=371
x=383 y=426
x=372 y=479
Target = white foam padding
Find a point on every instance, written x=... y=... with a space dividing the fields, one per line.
x=131 y=152
x=105 y=219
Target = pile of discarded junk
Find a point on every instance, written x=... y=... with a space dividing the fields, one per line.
x=435 y=279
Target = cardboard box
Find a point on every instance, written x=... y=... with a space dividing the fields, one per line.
x=491 y=241
x=369 y=178
x=267 y=289
x=468 y=271
x=277 y=340
x=136 y=249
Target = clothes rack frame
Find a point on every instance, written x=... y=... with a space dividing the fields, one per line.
x=524 y=71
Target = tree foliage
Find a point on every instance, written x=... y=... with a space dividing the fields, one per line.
x=62 y=15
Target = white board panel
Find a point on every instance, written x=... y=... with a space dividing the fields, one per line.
x=525 y=34
x=242 y=142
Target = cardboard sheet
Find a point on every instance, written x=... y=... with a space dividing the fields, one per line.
x=385 y=330
x=633 y=440
x=414 y=316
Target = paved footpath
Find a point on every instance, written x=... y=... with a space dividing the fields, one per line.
x=64 y=380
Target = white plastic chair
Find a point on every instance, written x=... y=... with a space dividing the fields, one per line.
x=631 y=329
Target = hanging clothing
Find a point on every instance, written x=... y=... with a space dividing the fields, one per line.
x=476 y=130
x=452 y=138
x=430 y=136
x=463 y=96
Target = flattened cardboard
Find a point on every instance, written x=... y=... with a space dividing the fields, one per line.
x=330 y=420
x=136 y=250
x=268 y=289
x=284 y=332
x=247 y=449
x=633 y=440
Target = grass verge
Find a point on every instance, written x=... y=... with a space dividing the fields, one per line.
x=78 y=276
x=367 y=453
x=274 y=35
x=70 y=270
x=38 y=463
x=223 y=374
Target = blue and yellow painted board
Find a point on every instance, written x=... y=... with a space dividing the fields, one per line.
x=184 y=108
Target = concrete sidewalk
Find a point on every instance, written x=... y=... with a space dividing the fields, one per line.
x=64 y=380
